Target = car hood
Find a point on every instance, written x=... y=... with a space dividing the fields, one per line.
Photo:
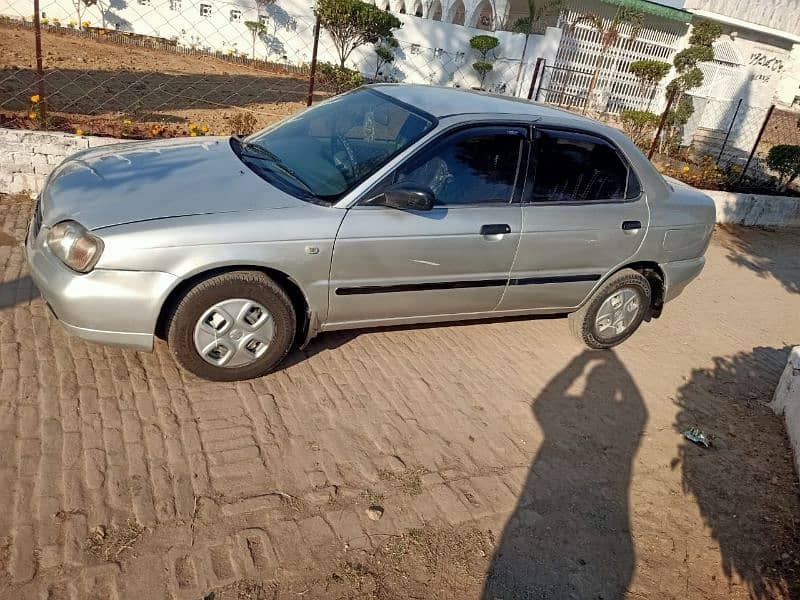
x=139 y=181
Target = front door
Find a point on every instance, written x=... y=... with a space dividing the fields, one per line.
x=393 y=265
x=583 y=215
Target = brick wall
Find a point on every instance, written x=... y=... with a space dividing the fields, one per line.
x=27 y=157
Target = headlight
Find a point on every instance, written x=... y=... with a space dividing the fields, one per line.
x=74 y=245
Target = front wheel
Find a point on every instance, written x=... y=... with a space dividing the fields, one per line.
x=233 y=326
x=614 y=311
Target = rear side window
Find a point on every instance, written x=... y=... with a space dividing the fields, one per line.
x=570 y=166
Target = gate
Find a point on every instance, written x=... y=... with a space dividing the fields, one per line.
x=617 y=89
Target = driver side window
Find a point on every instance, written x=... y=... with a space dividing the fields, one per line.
x=474 y=166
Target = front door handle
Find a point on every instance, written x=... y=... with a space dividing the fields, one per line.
x=631 y=225
x=495 y=229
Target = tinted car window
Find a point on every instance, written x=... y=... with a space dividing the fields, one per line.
x=577 y=167
x=469 y=167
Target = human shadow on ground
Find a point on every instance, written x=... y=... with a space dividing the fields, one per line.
x=569 y=535
x=744 y=485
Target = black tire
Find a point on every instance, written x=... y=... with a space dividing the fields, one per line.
x=252 y=285
x=582 y=322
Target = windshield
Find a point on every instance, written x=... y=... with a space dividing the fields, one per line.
x=325 y=151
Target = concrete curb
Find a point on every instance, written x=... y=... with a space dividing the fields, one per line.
x=755 y=210
x=27 y=157
x=786 y=402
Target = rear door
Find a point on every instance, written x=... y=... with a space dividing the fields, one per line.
x=391 y=264
x=583 y=214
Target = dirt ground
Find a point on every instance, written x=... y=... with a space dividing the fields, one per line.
x=509 y=462
x=96 y=85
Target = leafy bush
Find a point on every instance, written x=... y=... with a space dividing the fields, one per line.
x=352 y=23
x=785 y=159
x=337 y=79
x=640 y=126
x=243 y=123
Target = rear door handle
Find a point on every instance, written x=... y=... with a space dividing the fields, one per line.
x=631 y=225
x=495 y=229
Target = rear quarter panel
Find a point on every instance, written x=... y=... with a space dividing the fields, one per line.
x=681 y=224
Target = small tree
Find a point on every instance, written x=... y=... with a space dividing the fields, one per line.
x=785 y=159
x=256 y=28
x=689 y=76
x=483 y=44
x=649 y=73
x=609 y=31
x=352 y=23
x=384 y=53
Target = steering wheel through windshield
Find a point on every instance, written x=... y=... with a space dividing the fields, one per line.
x=344 y=161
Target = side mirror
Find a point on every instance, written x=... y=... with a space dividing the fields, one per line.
x=405 y=197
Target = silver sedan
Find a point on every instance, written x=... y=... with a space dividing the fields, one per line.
x=389 y=205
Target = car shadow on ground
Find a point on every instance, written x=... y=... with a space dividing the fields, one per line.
x=764 y=251
x=570 y=535
x=744 y=485
x=332 y=340
x=17 y=291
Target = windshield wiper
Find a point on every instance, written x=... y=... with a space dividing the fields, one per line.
x=255 y=151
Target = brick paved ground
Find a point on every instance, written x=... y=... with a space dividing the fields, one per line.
x=500 y=448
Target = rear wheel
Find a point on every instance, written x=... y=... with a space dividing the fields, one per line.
x=237 y=325
x=614 y=312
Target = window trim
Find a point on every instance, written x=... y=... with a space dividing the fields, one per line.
x=530 y=178
x=520 y=178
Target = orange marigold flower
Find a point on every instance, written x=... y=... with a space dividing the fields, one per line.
x=31 y=115
x=79 y=131
x=205 y=128
x=35 y=98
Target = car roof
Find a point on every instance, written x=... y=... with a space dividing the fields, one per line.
x=446 y=101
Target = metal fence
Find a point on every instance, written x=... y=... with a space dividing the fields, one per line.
x=163 y=68
x=91 y=79
x=739 y=136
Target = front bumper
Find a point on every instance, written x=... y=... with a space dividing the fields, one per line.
x=679 y=274
x=106 y=306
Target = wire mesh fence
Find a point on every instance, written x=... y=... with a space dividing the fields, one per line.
x=143 y=68
x=739 y=136
x=109 y=82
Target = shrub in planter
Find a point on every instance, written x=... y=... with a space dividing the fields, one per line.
x=785 y=159
x=338 y=79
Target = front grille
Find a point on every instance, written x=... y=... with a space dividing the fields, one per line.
x=37 y=220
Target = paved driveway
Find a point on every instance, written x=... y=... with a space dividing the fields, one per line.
x=509 y=461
